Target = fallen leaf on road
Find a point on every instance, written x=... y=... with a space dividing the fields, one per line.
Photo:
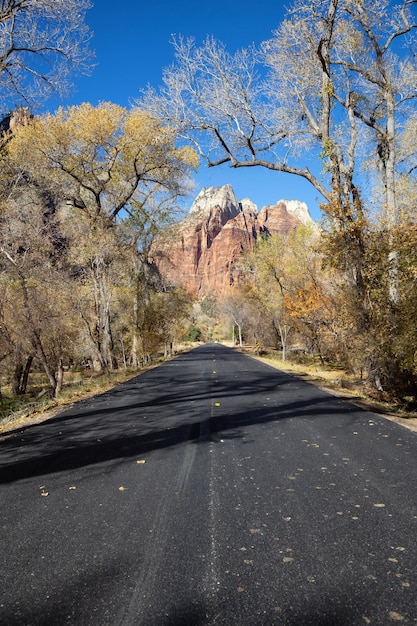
x=240 y=589
x=396 y=617
x=122 y=488
x=71 y=488
x=287 y=559
x=45 y=493
x=217 y=404
x=141 y=461
x=379 y=505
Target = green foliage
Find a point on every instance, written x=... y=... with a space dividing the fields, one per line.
x=193 y=333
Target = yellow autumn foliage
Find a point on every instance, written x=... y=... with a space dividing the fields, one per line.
x=98 y=157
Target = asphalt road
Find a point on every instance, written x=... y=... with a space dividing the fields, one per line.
x=213 y=489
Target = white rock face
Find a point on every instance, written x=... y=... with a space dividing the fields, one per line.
x=210 y=197
x=248 y=205
x=224 y=197
x=299 y=209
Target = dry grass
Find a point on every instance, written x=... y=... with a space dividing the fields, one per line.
x=77 y=387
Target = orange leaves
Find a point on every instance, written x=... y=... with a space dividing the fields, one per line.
x=307 y=303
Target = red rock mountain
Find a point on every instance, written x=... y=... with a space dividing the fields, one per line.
x=203 y=251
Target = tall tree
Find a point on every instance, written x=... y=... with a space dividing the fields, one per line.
x=99 y=160
x=376 y=52
x=147 y=216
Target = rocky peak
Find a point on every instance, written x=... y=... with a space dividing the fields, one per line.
x=18 y=117
x=297 y=209
x=248 y=205
x=204 y=252
x=210 y=198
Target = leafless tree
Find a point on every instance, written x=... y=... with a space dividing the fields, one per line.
x=42 y=44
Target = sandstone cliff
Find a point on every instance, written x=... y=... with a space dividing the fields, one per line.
x=203 y=252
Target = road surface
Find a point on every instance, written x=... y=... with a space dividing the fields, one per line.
x=212 y=490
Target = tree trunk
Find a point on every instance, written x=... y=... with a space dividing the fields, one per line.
x=59 y=378
x=283 y=332
x=17 y=377
x=240 y=334
x=391 y=196
x=123 y=354
x=20 y=377
x=44 y=361
x=36 y=337
x=103 y=338
x=26 y=372
x=135 y=340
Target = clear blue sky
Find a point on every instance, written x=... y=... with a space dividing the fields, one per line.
x=131 y=41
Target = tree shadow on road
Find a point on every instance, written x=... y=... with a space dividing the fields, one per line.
x=162 y=408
